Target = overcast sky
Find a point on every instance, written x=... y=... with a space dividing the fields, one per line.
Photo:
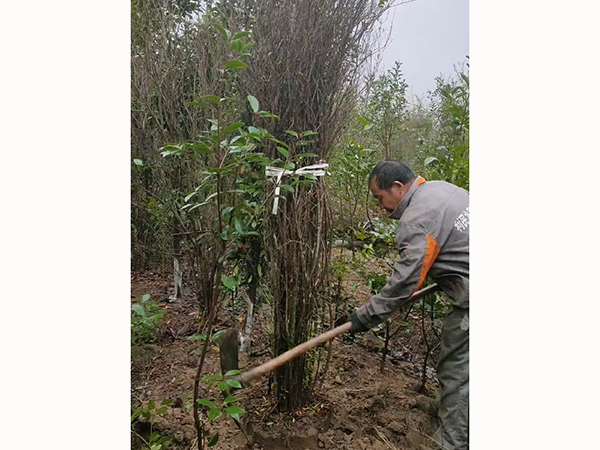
x=428 y=37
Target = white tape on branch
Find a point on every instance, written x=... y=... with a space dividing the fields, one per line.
x=318 y=170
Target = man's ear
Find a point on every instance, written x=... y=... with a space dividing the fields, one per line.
x=398 y=185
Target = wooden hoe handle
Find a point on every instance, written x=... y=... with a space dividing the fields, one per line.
x=246 y=377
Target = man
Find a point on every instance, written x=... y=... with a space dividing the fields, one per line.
x=433 y=239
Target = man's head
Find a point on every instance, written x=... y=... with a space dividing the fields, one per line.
x=389 y=182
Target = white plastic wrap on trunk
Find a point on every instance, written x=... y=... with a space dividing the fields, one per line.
x=318 y=170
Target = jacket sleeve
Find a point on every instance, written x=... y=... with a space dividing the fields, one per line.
x=418 y=250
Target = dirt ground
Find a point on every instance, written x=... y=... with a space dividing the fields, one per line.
x=357 y=407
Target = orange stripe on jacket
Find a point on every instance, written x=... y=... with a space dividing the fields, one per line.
x=433 y=250
x=420 y=181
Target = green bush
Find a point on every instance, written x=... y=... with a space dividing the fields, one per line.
x=145 y=318
x=450 y=161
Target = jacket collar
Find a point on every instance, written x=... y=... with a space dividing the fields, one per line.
x=418 y=181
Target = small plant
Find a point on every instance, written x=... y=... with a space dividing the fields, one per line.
x=379 y=234
x=366 y=253
x=383 y=231
x=151 y=409
x=376 y=281
x=145 y=318
x=156 y=441
x=226 y=407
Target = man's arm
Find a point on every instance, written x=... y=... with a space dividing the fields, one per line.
x=418 y=251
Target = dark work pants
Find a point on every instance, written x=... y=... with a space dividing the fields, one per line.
x=453 y=374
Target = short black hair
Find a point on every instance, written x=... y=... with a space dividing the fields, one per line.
x=386 y=172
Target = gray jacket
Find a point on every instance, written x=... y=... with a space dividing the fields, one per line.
x=433 y=239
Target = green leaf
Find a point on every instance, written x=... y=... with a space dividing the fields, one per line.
x=197 y=337
x=199 y=148
x=187 y=197
x=139 y=310
x=214 y=440
x=151 y=405
x=226 y=211
x=283 y=151
x=229 y=282
x=253 y=104
x=241 y=34
x=430 y=160
x=215 y=337
x=247 y=47
x=207 y=403
x=162 y=410
x=233 y=127
x=362 y=120
x=292 y=133
x=234 y=384
x=255 y=136
x=217 y=169
x=211 y=98
x=223 y=386
x=139 y=162
x=137 y=412
x=214 y=413
x=232 y=373
x=145 y=297
x=267 y=114
x=211 y=196
x=236 y=45
x=230 y=399
x=198 y=205
x=171 y=150
x=287 y=187
x=205 y=202
x=235 y=410
x=274 y=139
x=167 y=402
x=238 y=226
x=307 y=155
x=309 y=133
x=254 y=130
x=236 y=64
x=224 y=31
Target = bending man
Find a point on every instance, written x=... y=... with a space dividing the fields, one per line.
x=433 y=239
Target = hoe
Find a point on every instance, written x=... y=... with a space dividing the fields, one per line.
x=229 y=348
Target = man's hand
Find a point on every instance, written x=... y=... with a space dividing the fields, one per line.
x=357 y=325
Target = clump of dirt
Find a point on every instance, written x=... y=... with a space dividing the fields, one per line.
x=357 y=407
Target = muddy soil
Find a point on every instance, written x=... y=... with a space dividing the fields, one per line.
x=357 y=407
